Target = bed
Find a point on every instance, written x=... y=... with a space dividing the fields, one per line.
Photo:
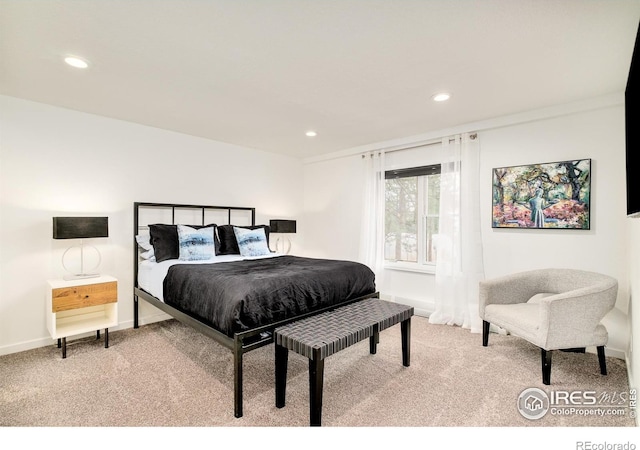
x=238 y=295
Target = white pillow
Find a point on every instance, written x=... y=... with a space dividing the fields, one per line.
x=252 y=242
x=196 y=244
x=145 y=244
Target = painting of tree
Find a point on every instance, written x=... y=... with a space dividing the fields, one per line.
x=548 y=195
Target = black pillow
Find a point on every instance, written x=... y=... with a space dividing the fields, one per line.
x=229 y=244
x=164 y=238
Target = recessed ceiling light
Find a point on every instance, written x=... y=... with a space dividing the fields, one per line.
x=74 y=61
x=441 y=97
x=311 y=133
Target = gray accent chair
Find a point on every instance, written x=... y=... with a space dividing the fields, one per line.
x=554 y=309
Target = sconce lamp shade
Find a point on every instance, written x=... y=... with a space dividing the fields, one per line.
x=282 y=226
x=80 y=227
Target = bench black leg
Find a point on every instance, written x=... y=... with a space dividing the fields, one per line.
x=374 y=339
x=106 y=337
x=282 y=358
x=64 y=347
x=316 y=380
x=405 y=327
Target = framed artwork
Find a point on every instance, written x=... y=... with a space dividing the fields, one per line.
x=552 y=195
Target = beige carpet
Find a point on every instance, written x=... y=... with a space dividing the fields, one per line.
x=167 y=375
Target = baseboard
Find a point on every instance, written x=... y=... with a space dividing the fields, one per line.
x=24 y=346
x=615 y=353
x=420 y=307
x=46 y=341
x=147 y=320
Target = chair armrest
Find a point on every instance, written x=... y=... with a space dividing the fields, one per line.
x=570 y=319
x=509 y=289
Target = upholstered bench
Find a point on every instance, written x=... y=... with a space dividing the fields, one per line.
x=320 y=336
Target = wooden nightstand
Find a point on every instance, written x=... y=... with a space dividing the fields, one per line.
x=80 y=306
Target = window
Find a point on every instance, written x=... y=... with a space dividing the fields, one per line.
x=412 y=203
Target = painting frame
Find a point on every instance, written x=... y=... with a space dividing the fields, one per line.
x=542 y=196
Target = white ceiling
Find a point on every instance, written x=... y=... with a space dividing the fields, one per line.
x=260 y=73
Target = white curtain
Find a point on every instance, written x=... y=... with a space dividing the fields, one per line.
x=372 y=235
x=459 y=266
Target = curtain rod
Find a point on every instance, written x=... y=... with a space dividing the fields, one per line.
x=426 y=144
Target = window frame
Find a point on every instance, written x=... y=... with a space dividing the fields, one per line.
x=422 y=173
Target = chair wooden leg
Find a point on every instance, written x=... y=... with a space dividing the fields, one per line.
x=546 y=366
x=601 y=360
x=485 y=333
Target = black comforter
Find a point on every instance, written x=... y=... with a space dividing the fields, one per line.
x=237 y=296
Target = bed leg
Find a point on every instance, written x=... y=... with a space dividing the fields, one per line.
x=135 y=311
x=237 y=378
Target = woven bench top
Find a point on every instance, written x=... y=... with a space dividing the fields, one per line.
x=335 y=330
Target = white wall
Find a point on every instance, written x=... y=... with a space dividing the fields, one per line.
x=333 y=207
x=60 y=162
x=592 y=129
